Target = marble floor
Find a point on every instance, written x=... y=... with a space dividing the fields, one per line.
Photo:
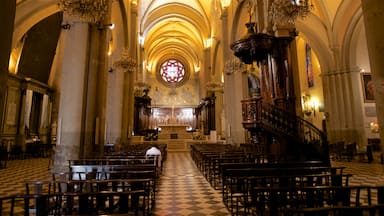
x=183 y=191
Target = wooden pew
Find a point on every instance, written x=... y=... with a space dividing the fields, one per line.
x=315 y=200
x=86 y=197
x=234 y=177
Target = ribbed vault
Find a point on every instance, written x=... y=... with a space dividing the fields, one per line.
x=174 y=30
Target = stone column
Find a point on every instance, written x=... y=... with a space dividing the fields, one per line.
x=130 y=78
x=373 y=11
x=293 y=84
x=45 y=120
x=7 y=17
x=207 y=70
x=218 y=90
x=21 y=137
x=74 y=55
x=332 y=82
x=228 y=79
x=240 y=80
x=138 y=69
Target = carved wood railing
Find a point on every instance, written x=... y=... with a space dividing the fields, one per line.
x=258 y=115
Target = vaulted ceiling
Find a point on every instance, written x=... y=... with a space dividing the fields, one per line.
x=183 y=28
x=175 y=29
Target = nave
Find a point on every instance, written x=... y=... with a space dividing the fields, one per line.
x=183 y=191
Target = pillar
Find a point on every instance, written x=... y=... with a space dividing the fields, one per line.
x=238 y=132
x=228 y=78
x=7 y=18
x=373 y=11
x=130 y=77
x=204 y=77
x=219 y=111
x=73 y=52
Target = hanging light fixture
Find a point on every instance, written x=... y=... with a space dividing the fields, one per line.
x=253 y=46
x=92 y=11
x=287 y=11
x=125 y=62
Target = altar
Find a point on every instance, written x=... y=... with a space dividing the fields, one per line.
x=174 y=131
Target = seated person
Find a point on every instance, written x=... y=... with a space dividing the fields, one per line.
x=154 y=152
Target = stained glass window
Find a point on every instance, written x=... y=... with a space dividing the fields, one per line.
x=172 y=71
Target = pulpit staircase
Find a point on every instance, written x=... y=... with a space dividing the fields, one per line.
x=299 y=139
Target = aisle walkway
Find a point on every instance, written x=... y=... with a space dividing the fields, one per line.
x=184 y=191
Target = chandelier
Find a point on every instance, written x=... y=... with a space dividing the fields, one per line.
x=91 y=11
x=125 y=62
x=287 y=11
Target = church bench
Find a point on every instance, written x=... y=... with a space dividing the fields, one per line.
x=237 y=192
x=140 y=191
x=100 y=172
x=25 y=204
x=309 y=200
x=199 y=151
x=227 y=170
x=234 y=179
x=213 y=172
x=373 y=210
x=132 y=161
x=107 y=168
x=87 y=196
x=114 y=161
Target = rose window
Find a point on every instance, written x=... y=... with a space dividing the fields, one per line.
x=172 y=71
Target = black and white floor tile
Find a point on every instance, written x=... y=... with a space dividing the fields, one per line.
x=183 y=191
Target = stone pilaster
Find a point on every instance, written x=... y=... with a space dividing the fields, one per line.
x=228 y=67
x=373 y=11
x=131 y=76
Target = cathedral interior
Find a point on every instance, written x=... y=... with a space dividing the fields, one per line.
x=289 y=80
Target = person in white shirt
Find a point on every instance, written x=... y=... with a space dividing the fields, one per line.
x=154 y=152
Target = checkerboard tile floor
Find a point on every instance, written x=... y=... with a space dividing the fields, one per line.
x=183 y=191
x=363 y=173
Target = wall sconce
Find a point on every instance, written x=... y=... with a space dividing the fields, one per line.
x=374 y=126
x=101 y=26
x=148 y=66
x=225 y=3
x=310 y=105
x=197 y=68
x=111 y=26
x=66 y=26
x=141 y=40
x=208 y=43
